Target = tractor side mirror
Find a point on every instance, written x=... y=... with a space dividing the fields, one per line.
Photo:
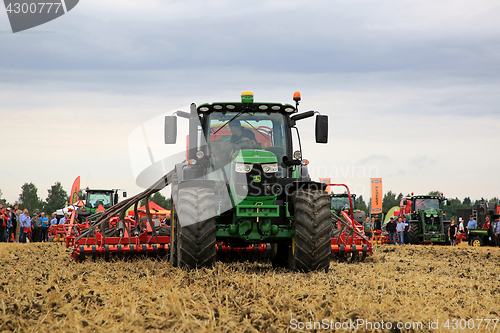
x=124 y=194
x=321 y=129
x=405 y=202
x=116 y=198
x=170 y=130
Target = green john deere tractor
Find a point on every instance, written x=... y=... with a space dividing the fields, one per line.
x=95 y=198
x=340 y=202
x=425 y=214
x=244 y=188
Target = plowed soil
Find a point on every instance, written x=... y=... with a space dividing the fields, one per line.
x=43 y=290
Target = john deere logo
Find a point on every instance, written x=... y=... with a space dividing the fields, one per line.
x=26 y=14
x=256 y=179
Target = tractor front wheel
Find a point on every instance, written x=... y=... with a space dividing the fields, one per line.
x=414 y=233
x=195 y=228
x=476 y=241
x=311 y=249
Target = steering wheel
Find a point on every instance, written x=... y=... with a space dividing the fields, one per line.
x=244 y=144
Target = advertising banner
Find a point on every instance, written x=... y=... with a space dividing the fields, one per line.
x=377 y=195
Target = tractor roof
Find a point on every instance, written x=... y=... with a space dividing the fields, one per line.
x=427 y=197
x=253 y=107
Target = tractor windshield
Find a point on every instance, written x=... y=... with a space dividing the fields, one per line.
x=257 y=130
x=426 y=204
x=96 y=199
x=340 y=203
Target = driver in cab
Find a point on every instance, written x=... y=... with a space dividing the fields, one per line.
x=241 y=134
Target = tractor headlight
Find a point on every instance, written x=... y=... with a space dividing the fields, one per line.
x=427 y=215
x=270 y=168
x=243 y=168
x=200 y=154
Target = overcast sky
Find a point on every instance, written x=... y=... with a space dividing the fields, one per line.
x=411 y=88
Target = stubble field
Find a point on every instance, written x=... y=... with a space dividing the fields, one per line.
x=43 y=290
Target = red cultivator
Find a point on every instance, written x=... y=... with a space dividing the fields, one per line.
x=348 y=239
x=114 y=233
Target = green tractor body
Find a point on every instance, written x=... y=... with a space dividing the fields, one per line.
x=425 y=215
x=247 y=194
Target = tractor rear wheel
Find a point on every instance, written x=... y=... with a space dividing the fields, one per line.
x=476 y=241
x=311 y=249
x=414 y=232
x=195 y=228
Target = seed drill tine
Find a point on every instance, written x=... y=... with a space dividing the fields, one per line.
x=153 y=227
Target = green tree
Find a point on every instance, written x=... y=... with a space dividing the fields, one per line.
x=434 y=193
x=28 y=199
x=390 y=201
x=56 y=199
x=467 y=203
x=361 y=204
x=160 y=200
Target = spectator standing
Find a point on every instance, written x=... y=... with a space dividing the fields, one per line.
x=4 y=222
x=452 y=233
x=400 y=227
x=13 y=219
x=391 y=229
x=54 y=219
x=36 y=227
x=8 y=227
x=472 y=224
x=486 y=223
x=63 y=219
x=498 y=232
x=44 y=237
x=407 y=230
x=461 y=226
x=376 y=232
x=368 y=228
x=25 y=223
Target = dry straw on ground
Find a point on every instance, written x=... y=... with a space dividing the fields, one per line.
x=43 y=290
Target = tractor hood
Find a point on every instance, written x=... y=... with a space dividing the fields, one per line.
x=255 y=156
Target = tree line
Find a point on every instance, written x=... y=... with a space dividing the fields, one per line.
x=392 y=199
x=58 y=198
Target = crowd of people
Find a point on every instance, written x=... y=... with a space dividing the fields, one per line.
x=373 y=229
x=20 y=227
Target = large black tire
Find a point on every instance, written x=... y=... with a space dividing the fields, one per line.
x=312 y=248
x=415 y=232
x=196 y=234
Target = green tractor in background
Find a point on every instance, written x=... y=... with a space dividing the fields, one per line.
x=340 y=202
x=96 y=201
x=245 y=188
x=425 y=215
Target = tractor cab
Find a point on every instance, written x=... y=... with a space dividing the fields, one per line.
x=340 y=202
x=97 y=200
x=425 y=214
